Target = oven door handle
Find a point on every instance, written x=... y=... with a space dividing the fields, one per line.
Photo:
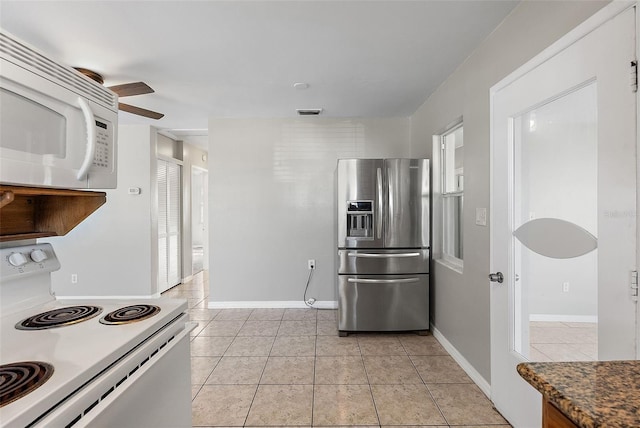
x=90 y=153
x=383 y=281
x=383 y=255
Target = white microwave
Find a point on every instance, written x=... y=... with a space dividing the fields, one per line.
x=58 y=128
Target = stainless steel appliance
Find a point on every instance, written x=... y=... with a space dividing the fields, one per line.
x=98 y=363
x=58 y=128
x=383 y=245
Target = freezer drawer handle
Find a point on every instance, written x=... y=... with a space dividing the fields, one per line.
x=383 y=256
x=383 y=281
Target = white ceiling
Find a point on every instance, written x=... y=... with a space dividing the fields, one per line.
x=241 y=58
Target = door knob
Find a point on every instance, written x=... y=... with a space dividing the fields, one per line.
x=496 y=277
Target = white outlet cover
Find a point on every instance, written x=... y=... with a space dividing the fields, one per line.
x=481 y=216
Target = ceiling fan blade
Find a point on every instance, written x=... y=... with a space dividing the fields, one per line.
x=140 y=111
x=130 y=89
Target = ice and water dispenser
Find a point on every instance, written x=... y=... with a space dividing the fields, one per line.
x=360 y=219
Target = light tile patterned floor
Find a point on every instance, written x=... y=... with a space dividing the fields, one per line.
x=563 y=341
x=288 y=367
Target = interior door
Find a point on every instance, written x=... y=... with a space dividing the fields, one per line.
x=169 y=230
x=563 y=205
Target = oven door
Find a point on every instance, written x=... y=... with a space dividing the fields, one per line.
x=149 y=387
x=50 y=136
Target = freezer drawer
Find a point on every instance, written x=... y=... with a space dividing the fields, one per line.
x=383 y=261
x=383 y=302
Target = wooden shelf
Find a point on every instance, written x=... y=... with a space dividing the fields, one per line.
x=35 y=212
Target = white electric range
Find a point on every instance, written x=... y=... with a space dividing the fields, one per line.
x=126 y=365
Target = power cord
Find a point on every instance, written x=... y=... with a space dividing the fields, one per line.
x=309 y=302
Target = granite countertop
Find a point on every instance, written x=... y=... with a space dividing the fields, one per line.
x=591 y=394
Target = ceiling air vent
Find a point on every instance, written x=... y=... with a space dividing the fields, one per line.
x=309 y=111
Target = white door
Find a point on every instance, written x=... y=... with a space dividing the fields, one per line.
x=169 y=236
x=563 y=209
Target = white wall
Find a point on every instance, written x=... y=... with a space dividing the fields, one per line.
x=112 y=251
x=460 y=302
x=272 y=201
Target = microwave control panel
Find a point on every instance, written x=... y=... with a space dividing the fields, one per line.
x=103 y=159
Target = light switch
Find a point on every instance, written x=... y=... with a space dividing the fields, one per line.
x=481 y=216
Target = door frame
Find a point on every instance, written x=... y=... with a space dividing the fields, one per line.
x=607 y=13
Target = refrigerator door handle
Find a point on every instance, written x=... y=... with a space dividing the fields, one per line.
x=384 y=255
x=382 y=281
x=380 y=207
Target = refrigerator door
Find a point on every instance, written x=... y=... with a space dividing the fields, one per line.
x=360 y=203
x=406 y=217
x=377 y=262
x=383 y=302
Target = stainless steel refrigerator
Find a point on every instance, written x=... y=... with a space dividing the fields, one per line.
x=383 y=245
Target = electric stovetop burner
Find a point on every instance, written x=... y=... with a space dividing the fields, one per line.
x=129 y=314
x=59 y=317
x=19 y=379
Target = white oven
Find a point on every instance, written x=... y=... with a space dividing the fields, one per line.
x=58 y=128
x=88 y=363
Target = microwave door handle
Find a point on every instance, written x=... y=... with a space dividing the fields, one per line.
x=91 y=139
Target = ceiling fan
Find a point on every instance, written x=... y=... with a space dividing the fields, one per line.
x=126 y=90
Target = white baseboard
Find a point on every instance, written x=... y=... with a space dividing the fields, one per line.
x=484 y=386
x=563 y=318
x=273 y=304
x=187 y=279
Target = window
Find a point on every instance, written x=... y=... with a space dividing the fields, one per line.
x=452 y=194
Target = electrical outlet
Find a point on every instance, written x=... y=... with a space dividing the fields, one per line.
x=565 y=287
x=311 y=263
x=74 y=278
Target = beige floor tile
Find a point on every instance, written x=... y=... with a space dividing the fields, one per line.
x=201 y=368
x=562 y=352
x=210 y=346
x=237 y=371
x=327 y=315
x=234 y=314
x=289 y=371
x=464 y=404
x=222 y=405
x=536 y=355
x=386 y=370
x=297 y=328
x=294 y=346
x=343 y=405
x=547 y=335
x=591 y=325
x=335 y=346
x=259 y=328
x=439 y=369
x=327 y=328
x=266 y=314
x=380 y=345
x=340 y=370
x=222 y=328
x=202 y=314
x=547 y=324
x=405 y=405
x=250 y=346
x=589 y=349
x=299 y=314
x=422 y=345
x=198 y=328
x=281 y=405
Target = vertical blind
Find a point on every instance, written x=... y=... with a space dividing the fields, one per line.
x=169 y=187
